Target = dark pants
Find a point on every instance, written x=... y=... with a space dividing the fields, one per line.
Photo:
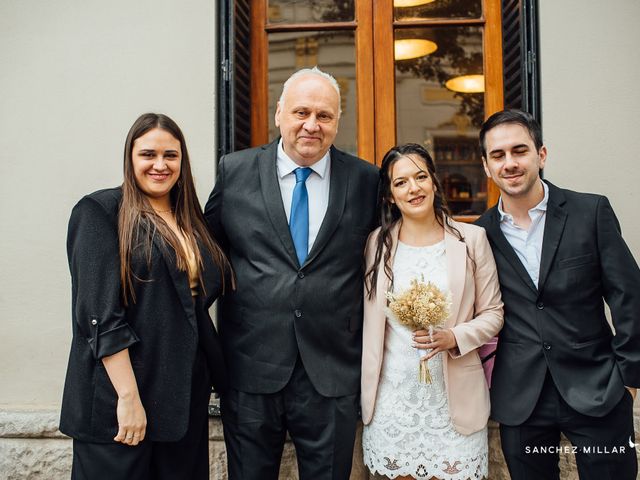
x=601 y=444
x=322 y=430
x=186 y=459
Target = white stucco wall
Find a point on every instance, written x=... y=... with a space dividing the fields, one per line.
x=74 y=75
x=591 y=101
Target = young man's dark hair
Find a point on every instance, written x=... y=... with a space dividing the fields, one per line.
x=511 y=116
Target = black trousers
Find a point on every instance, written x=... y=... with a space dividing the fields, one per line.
x=186 y=459
x=602 y=445
x=322 y=430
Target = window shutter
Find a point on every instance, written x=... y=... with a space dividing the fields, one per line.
x=233 y=78
x=520 y=55
x=242 y=75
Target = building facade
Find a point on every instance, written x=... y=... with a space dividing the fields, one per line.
x=75 y=75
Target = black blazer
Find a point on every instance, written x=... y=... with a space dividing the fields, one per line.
x=280 y=308
x=561 y=325
x=162 y=330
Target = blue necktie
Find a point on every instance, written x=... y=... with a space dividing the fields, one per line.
x=299 y=219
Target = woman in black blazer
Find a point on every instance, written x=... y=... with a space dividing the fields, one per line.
x=144 y=353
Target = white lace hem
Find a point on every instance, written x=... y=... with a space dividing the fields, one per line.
x=420 y=467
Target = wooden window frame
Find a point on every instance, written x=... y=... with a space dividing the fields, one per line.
x=374 y=24
x=363 y=29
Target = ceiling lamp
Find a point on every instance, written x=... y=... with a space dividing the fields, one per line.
x=410 y=3
x=409 y=48
x=466 y=84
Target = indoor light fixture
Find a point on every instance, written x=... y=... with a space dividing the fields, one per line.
x=408 y=48
x=410 y=3
x=466 y=84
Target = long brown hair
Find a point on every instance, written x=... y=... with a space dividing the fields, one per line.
x=389 y=213
x=138 y=223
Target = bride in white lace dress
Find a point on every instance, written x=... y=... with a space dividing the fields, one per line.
x=438 y=429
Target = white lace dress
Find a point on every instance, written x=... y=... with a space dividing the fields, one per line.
x=411 y=431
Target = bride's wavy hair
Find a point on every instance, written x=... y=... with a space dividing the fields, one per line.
x=389 y=214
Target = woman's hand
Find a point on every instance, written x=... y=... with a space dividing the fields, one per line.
x=132 y=420
x=438 y=341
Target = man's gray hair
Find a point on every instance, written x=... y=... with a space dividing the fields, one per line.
x=311 y=71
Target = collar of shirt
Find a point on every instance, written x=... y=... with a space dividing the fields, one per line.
x=286 y=166
x=534 y=213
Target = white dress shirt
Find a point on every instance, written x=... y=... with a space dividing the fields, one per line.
x=317 y=188
x=527 y=243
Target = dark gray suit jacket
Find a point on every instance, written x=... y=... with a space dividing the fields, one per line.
x=560 y=325
x=281 y=309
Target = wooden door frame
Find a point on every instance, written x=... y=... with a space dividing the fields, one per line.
x=375 y=75
x=384 y=70
x=493 y=74
x=384 y=64
x=362 y=26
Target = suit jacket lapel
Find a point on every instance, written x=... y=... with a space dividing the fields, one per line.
x=553 y=228
x=272 y=197
x=339 y=179
x=180 y=279
x=497 y=237
x=456 y=270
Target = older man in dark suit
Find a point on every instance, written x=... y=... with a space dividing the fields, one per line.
x=293 y=217
x=559 y=367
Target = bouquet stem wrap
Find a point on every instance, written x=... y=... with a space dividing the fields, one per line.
x=424 y=375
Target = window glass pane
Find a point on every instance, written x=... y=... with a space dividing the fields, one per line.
x=445 y=121
x=436 y=9
x=332 y=52
x=313 y=11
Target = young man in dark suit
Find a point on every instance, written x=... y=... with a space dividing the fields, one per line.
x=293 y=217
x=559 y=367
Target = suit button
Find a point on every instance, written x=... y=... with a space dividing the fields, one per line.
x=540 y=306
x=546 y=346
x=94 y=322
x=298 y=313
x=300 y=274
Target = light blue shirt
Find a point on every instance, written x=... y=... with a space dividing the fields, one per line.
x=317 y=188
x=527 y=243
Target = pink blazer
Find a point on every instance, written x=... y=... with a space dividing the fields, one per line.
x=476 y=316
